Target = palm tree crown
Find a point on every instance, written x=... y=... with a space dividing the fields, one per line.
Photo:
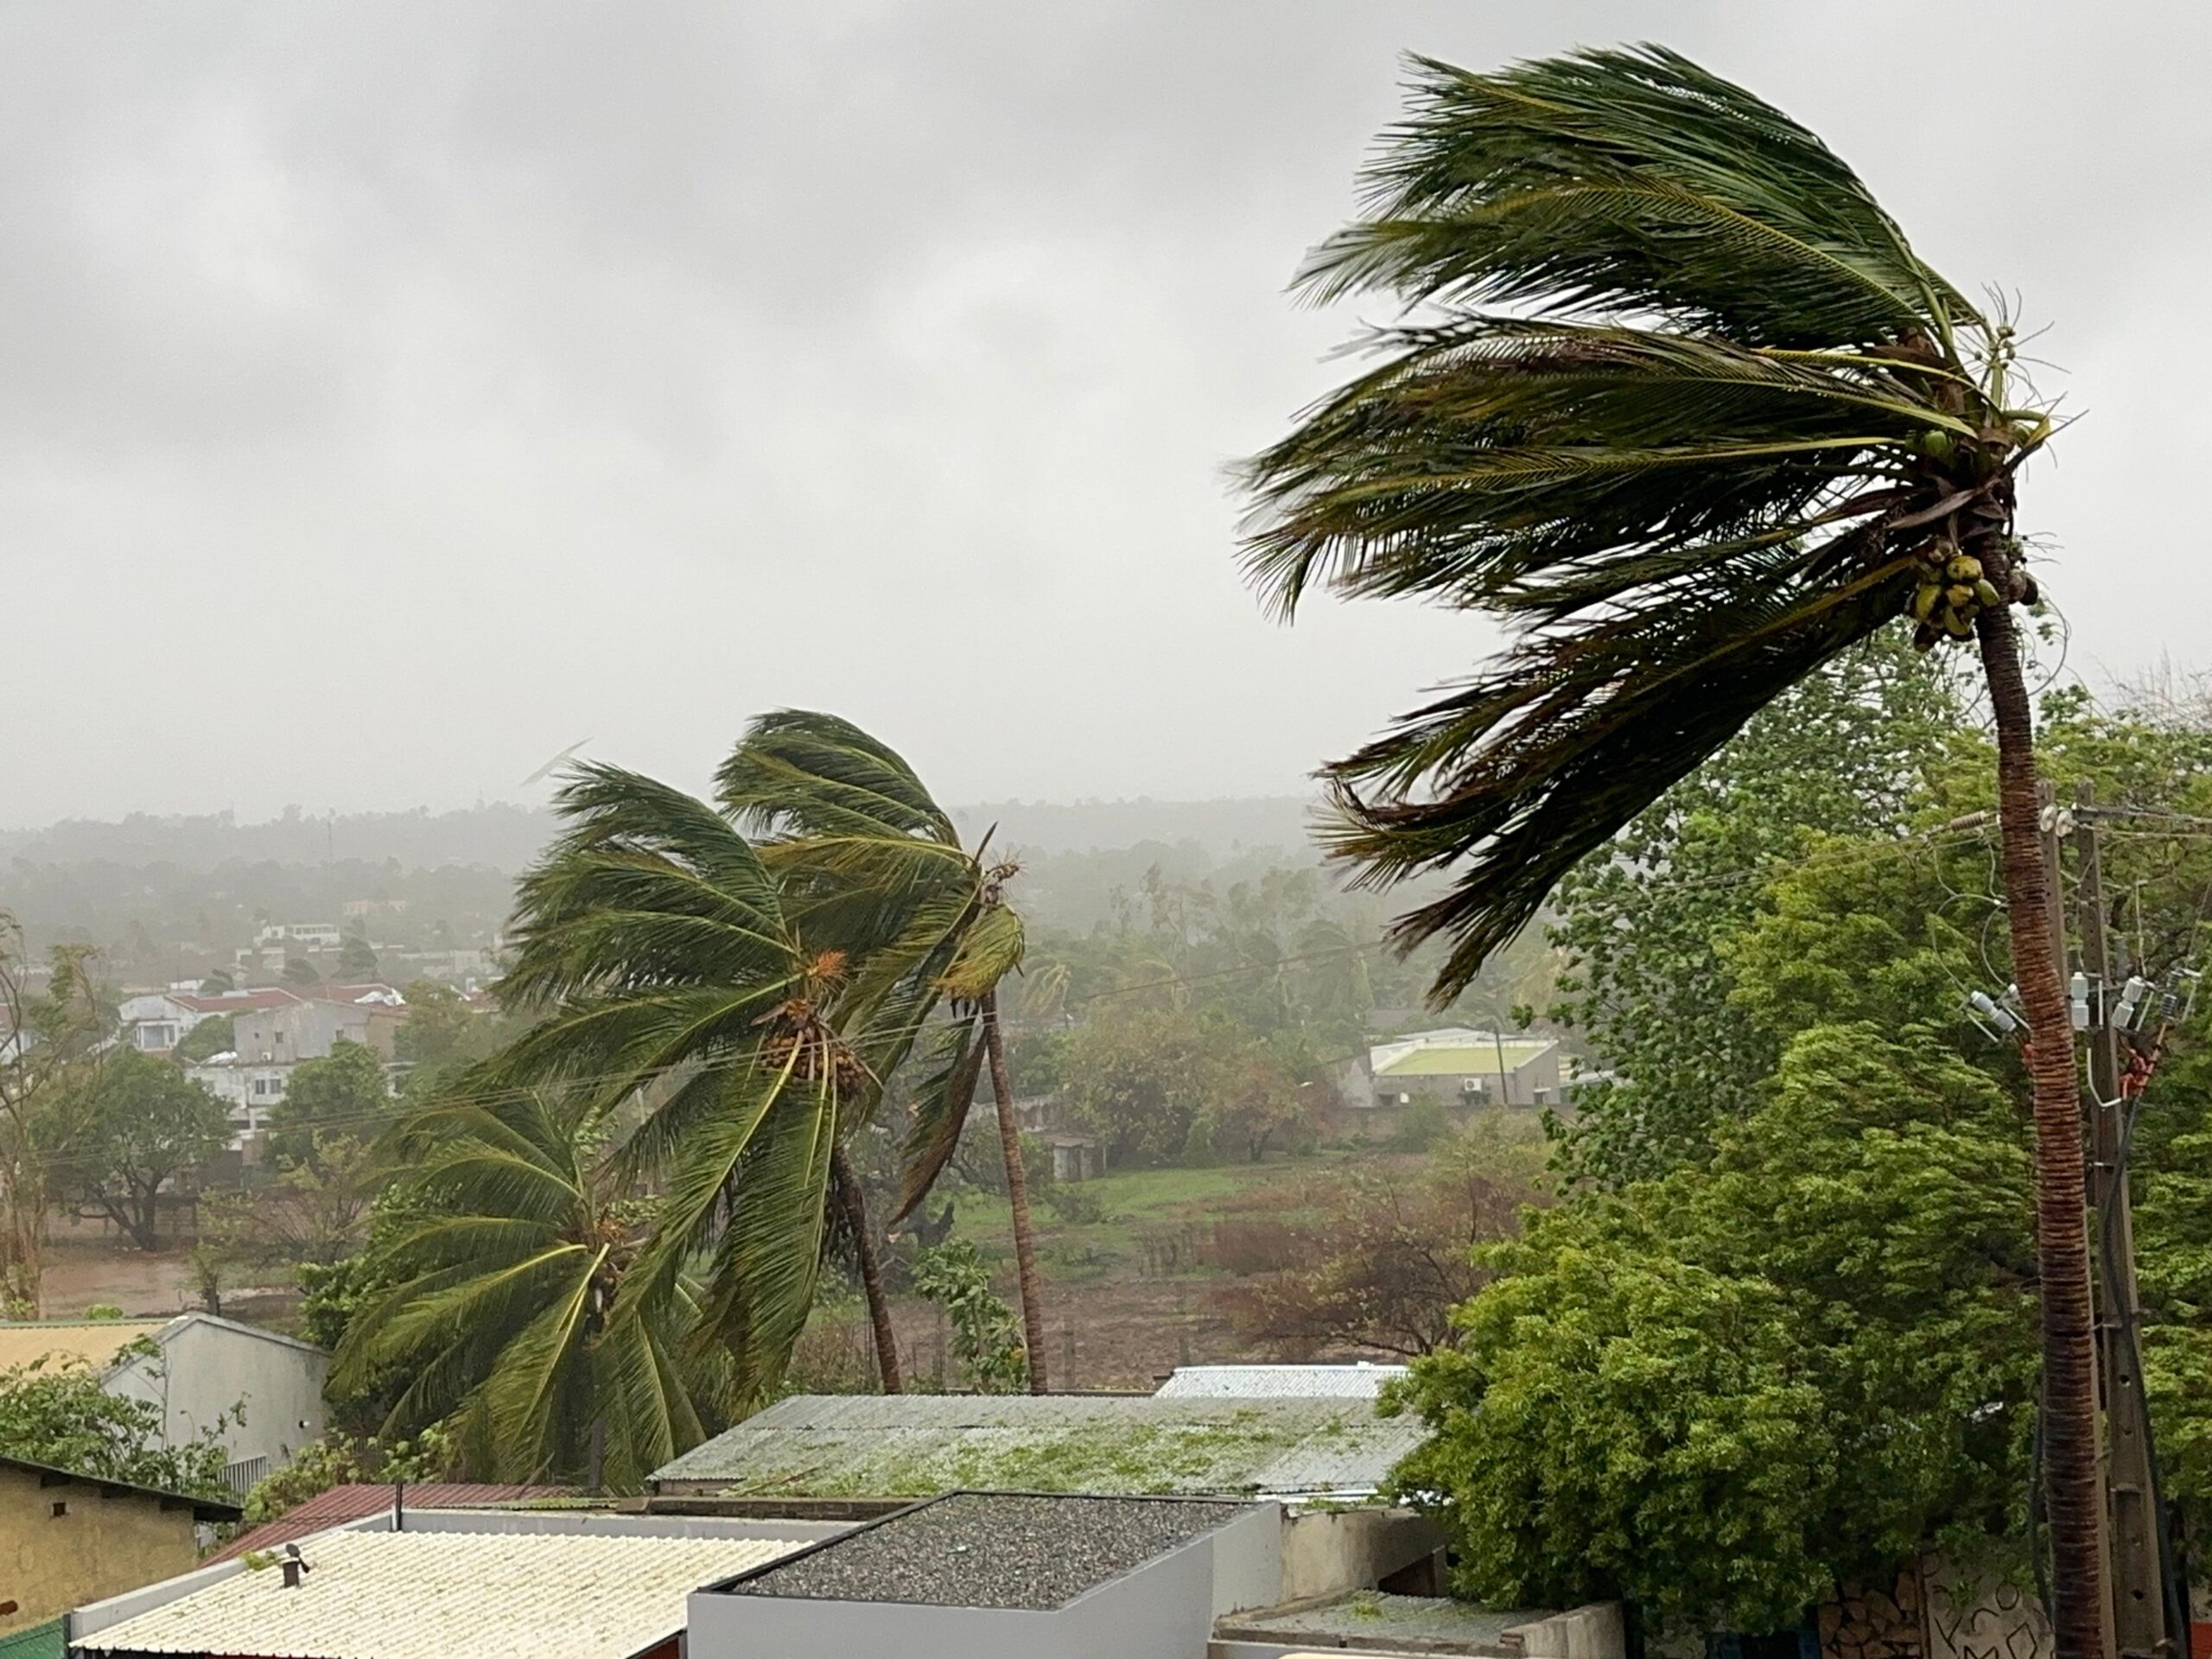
x=503 y=1310
x=871 y=859
x=657 y=954
x=1675 y=395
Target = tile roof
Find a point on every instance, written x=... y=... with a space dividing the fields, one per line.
x=431 y=1595
x=914 y=1445
x=266 y=996
x=351 y=1503
x=1356 y=1382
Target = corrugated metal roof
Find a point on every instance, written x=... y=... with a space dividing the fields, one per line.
x=912 y=1446
x=350 y=1502
x=1358 y=1381
x=1472 y=1060
x=422 y=1595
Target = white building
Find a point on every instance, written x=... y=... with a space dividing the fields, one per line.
x=261 y=1392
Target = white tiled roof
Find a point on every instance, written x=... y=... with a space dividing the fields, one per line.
x=432 y=1595
x=1358 y=1381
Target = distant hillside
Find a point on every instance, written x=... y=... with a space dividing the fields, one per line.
x=505 y=837
x=1221 y=829
x=502 y=836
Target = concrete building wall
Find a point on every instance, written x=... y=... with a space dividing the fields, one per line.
x=99 y=1545
x=1327 y=1552
x=207 y=1367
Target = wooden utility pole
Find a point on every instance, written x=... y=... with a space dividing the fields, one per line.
x=2136 y=1575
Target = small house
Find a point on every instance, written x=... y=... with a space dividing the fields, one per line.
x=67 y=1539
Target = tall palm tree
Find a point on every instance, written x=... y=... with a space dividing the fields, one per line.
x=502 y=1313
x=662 y=966
x=1675 y=395
x=875 y=863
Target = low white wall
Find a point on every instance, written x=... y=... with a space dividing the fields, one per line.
x=1164 y=1609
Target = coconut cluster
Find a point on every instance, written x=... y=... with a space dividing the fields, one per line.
x=1954 y=590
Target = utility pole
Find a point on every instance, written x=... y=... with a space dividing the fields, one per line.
x=2135 y=1572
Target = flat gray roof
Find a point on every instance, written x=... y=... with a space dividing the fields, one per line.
x=989 y=1549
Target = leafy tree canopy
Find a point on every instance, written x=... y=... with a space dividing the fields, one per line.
x=133 y=1126
x=56 y=1413
x=216 y=1034
x=342 y=1095
x=1727 y=1389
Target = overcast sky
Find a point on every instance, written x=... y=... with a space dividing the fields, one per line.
x=393 y=394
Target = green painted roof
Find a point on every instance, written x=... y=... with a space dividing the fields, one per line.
x=1469 y=1060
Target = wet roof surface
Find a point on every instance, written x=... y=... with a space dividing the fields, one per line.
x=822 y=1445
x=991 y=1549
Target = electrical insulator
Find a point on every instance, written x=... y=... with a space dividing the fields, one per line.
x=2129 y=1014
x=2077 y=992
x=1993 y=1016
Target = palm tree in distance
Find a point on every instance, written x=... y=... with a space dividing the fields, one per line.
x=871 y=859
x=1674 y=396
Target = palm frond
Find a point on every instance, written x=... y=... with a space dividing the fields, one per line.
x=1630 y=180
x=800 y=775
x=1681 y=403
x=940 y=1105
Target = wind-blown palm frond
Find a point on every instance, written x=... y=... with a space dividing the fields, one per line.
x=873 y=866
x=503 y=1304
x=1727 y=429
x=667 y=970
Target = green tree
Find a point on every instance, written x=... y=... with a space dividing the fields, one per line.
x=48 y=1039
x=877 y=868
x=345 y=1461
x=1138 y=1078
x=57 y=1411
x=1648 y=929
x=441 y=1029
x=985 y=1339
x=1722 y=424
x=299 y=971
x=499 y=1304
x=340 y=1097
x=357 y=959
x=219 y=983
x=217 y=1034
x=133 y=1126
x=1725 y=1391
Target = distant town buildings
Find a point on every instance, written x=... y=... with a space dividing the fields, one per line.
x=273 y=1029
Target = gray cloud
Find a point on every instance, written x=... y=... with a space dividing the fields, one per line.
x=390 y=396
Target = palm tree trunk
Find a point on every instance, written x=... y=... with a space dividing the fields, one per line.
x=2073 y=1497
x=853 y=1203
x=1017 y=1193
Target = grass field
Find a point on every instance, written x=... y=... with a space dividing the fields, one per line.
x=1127 y=1219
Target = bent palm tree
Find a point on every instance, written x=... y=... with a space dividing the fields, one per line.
x=875 y=864
x=657 y=954
x=503 y=1309
x=1685 y=405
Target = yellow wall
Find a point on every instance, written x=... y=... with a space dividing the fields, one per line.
x=102 y=1547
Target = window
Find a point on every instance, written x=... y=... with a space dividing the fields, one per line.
x=60 y=1508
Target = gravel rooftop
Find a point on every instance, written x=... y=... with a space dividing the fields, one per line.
x=991 y=1549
